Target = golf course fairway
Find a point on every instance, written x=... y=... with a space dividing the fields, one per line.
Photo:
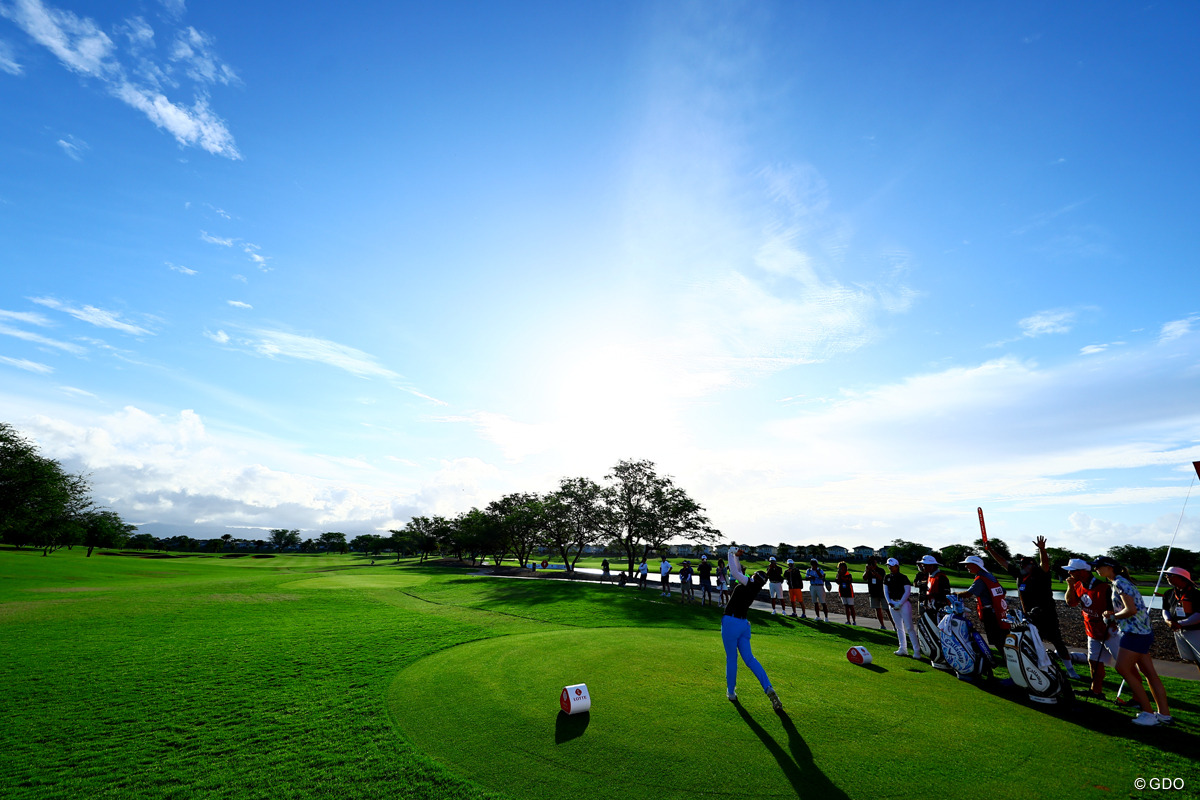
x=660 y=725
x=329 y=678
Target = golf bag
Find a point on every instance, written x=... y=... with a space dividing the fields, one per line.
x=963 y=647
x=929 y=638
x=1031 y=667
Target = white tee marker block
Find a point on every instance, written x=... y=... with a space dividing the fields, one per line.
x=575 y=699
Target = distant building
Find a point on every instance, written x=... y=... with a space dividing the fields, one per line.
x=882 y=552
x=766 y=550
x=862 y=552
x=837 y=552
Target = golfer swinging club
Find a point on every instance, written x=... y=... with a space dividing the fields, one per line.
x=735 y=630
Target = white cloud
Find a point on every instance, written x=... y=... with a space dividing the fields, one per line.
x=29 y=336
x=1092 y=349
x=28 y=317
x=208 y=237
x=175 y=7
x=1176 y=329
x=82 y=47
x=182 y=269
x=238 y=304
x=220 y=337
x=74 y=392
x=73 y=147
x=1045 y=322
x=27 y=365
x=307 y=348
x=8 y=61
x=92 y=315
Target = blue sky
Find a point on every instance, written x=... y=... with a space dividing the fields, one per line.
x=846 y=272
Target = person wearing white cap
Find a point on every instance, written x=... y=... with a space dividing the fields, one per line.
x=817 y=586
x=845 y=583
x=664 y=574
x=687 y=593
x=896 y=590
x=795 y=581
x=937 y=585
x=1181 y=610
x=775 y=584
x=1094 y=598
x=989 y=601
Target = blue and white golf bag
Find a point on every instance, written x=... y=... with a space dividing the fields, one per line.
x=965 y=651
x=929 y=638
x=1030 y=665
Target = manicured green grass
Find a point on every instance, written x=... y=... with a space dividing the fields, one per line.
x=306 y=676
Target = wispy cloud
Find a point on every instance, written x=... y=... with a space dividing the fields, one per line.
x=1045 y=322
x=29 y=336
x=27 y=365
x=276 y=344
x=28 y=317
x=238 y=304
x=220 y=337
x=1176 y=329
x=8 y=61
x=208 y=237
x=1045 y=218
x=73 y=147
x=93 y=316
x=75 y=392
x=182 y=269
x=82 y=47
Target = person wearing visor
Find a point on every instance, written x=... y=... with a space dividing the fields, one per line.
x=1037 y=599
x=897 y=590
x=1094 y=599
x=1181 y=610
x=1133 y=657
x=735 y=630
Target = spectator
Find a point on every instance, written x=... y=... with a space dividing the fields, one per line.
x=817 y=586
x=1133 y=657
x=621 y=579
x=873 y=576
x=705 y=573
x=897 y=589
x=795 y=582
x=643 y=573
x=664 y=572
x=1036 y=591
x=775 y=583
x=722 y=580
x=845 y=583
x=687 y=594
x=989 y=601
x=604 y=568
x=1094 y=597
x=1181 y=610
x=735 y=631
x=937 y=586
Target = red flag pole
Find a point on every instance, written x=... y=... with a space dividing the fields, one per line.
x=982 y=527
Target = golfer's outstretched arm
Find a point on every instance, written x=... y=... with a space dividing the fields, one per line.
x=735 y=568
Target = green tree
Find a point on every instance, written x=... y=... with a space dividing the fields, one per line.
x=40 y=503
x=951 y=554
x=629 y=496
x=142 y=541
x=907 y=552
x=423 y=533
x=333 y=541
x=522 y=520
x=368 y=543
x=997 y=546
x=104 y=528
x=282 y=538
x=576 y=517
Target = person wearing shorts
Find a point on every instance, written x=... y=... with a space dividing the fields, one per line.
x=722 y=581
x=775 y=584
x=643 y=574
x=873 y=576
x=816 y=587
x=664 y=572
x=687 y=593
x=845 y=584
x=1094 y=598
x=795 y=581
x=1133 y=659
x=1181 y=610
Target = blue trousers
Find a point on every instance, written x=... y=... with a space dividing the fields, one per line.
x=735 y=634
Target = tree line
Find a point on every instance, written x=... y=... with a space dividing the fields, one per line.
x=44 y=506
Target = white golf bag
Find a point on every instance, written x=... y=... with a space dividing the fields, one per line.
x=930 y=638
x=963 y=647
x=1030 y=665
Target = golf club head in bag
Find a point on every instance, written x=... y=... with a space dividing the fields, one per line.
x=930 y=638
x=1031 y=667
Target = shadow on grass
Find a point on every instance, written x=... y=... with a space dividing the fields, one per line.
x=796 y=761
x=570 y=726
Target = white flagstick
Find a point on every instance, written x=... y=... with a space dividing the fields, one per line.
x=1167 y=557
